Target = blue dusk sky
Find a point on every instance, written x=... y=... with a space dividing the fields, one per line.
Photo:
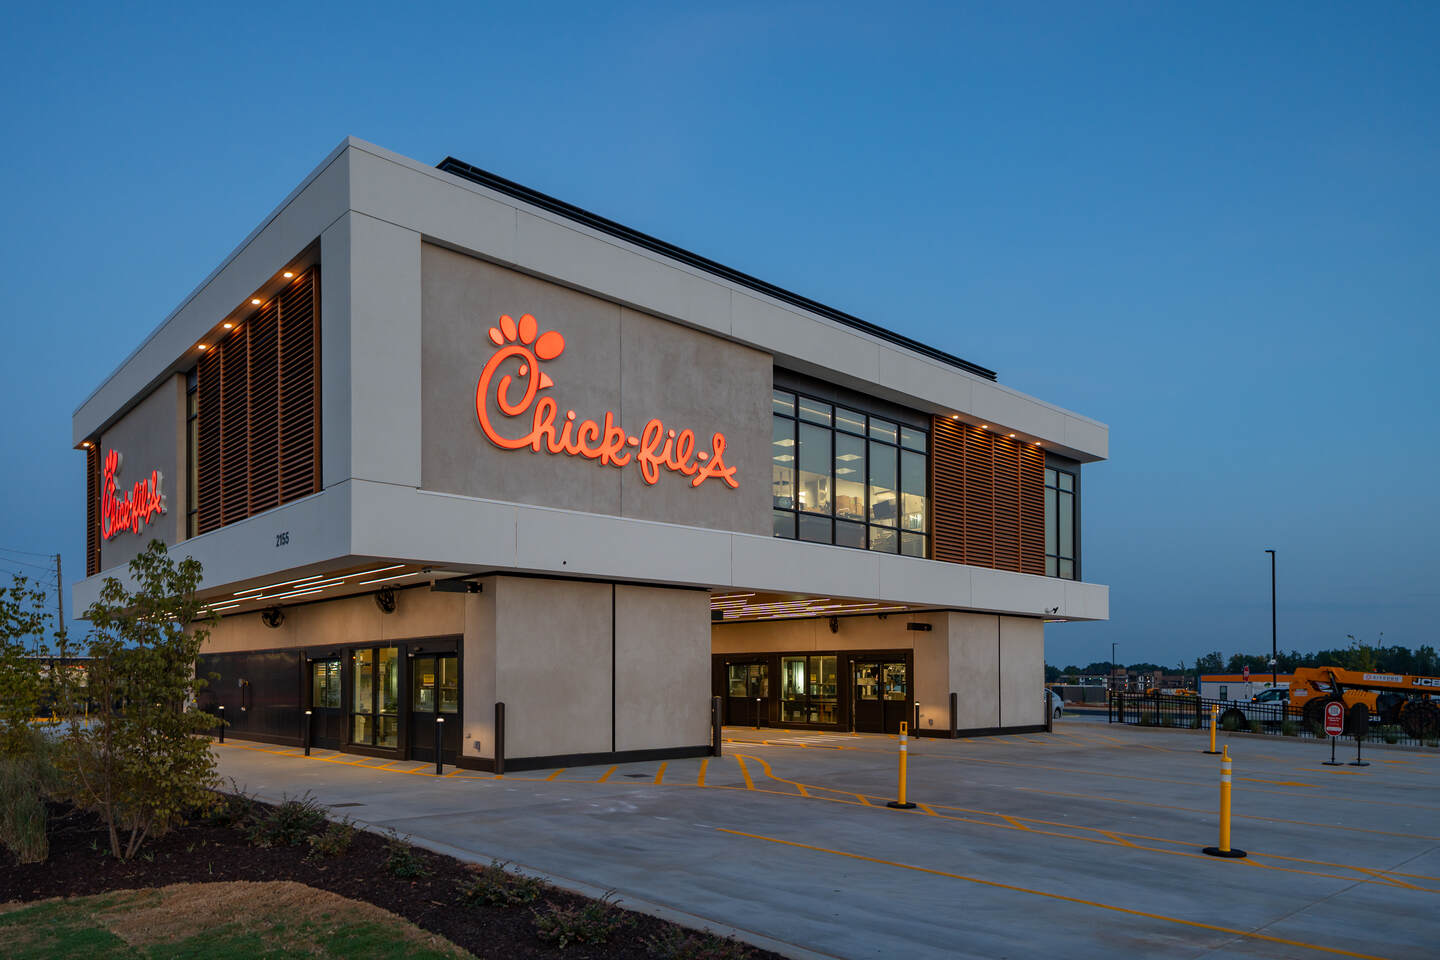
x=1213 y=226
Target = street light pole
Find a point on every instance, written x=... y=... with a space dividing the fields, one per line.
x=1112 y=668
x=1274 y=671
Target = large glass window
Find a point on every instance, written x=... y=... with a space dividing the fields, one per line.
x=1060 y=516
x=749 y=680
x=845 y=477
x=375 y=705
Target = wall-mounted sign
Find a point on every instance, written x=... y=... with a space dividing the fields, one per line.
x=132 y=510
x=654 y=448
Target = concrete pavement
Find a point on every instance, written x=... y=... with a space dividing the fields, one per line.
x=1084 y=843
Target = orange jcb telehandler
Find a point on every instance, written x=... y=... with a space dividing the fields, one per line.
x=1386 y=697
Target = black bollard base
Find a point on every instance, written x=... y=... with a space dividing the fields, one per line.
x=1212 y=753
x=897 y=805
x=1231 y=854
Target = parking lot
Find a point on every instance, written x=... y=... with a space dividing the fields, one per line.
x=1084 y=843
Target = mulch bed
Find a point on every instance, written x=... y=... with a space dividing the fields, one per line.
x=200 y=852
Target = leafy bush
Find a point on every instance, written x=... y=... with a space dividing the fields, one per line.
x=402 y=860
x=1255 y=727
x=1230 y=722
x=596 y=921
x=1288 y=728
x=231 y=808
x=289 y=824
x=336 y=839
x=1391 y=736
x=498 y=887
x=677 y=943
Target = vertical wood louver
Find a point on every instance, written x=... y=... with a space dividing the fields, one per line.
x=988 y=494
x=92 y=509
x=259 y=397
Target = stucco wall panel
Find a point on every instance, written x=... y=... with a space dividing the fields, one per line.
x=1022 y=671
x=553 y=665
x=662 y=668
x=975 y=669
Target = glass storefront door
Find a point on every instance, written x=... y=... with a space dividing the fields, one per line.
x=434 y=696
x=809 y=690
x=881 y=693
x=375 y=700
x=747 y=693
x=327 y=720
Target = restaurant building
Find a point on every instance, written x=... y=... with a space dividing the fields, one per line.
x=442 y=442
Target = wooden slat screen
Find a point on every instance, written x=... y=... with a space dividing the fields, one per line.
x=207 y=482
x=987 y=499
x=259 y=396
x=92 y=509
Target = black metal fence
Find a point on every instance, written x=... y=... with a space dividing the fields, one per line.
x=1193 y=713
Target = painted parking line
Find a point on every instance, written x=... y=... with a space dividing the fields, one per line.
x=1233 y=931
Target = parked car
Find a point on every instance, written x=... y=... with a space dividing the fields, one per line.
x=1054 y=703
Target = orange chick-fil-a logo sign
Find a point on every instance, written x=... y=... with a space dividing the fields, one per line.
x=653 y=449
x=131 y=510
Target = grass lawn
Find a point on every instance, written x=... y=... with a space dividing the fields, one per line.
x=214 y=921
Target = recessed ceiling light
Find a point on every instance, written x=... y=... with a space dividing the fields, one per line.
x=1012 y=436
x=954 y=416
x=255 y=300
x=229 y=325
x=201 y=346
x=85 y=443
x=984 y=426
x=288 y=274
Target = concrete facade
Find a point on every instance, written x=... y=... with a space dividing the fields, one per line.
x=591 y=623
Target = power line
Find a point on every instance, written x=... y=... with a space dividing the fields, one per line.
x=30 y=553
x=26 y=563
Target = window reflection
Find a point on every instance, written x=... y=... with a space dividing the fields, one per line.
x=1060 y=523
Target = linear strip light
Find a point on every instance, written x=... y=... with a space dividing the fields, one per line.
x=287 y=583
x=317 y=581
x=296 y=593
x=397 y=576
x=733 y=596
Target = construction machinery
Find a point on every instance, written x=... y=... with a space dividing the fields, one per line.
x=1405 y=699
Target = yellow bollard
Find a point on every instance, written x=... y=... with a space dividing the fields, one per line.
x=1214 y=717
x=900 y=804
x=1224 y=849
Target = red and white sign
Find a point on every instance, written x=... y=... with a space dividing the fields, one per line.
x=1245 y=672
x=653 y=448
x=1334 y=718
x=131 y=510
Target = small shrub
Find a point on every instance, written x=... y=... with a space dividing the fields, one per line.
x=335 y=840
x=1255 y=727
x=1230 y=722
x=594 y=922
x=22 y=812
x=1391 y=736
x=498 y=887
x=402 y=860
x=233 y=808
x=677 y=943
x=290 y=824
x=1288 y=728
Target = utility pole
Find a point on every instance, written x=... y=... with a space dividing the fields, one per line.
x=59 y=595
x=1274 y=672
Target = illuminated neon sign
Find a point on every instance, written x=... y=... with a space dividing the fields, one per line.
x=653 y=449
x=132 y=510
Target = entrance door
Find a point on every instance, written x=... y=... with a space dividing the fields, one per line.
x=881 y=695
x=434 y=695
x=747 y=693
x=327 y=719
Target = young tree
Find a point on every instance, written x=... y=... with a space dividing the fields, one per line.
x=140 y=763
x=23 y=624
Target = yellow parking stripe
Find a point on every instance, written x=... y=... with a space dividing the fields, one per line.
x=745 y=772
x=660 y=774
x=1249 y=934
x=607 y=774
x=704 y=765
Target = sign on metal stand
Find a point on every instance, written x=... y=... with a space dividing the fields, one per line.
x=1334 y=726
